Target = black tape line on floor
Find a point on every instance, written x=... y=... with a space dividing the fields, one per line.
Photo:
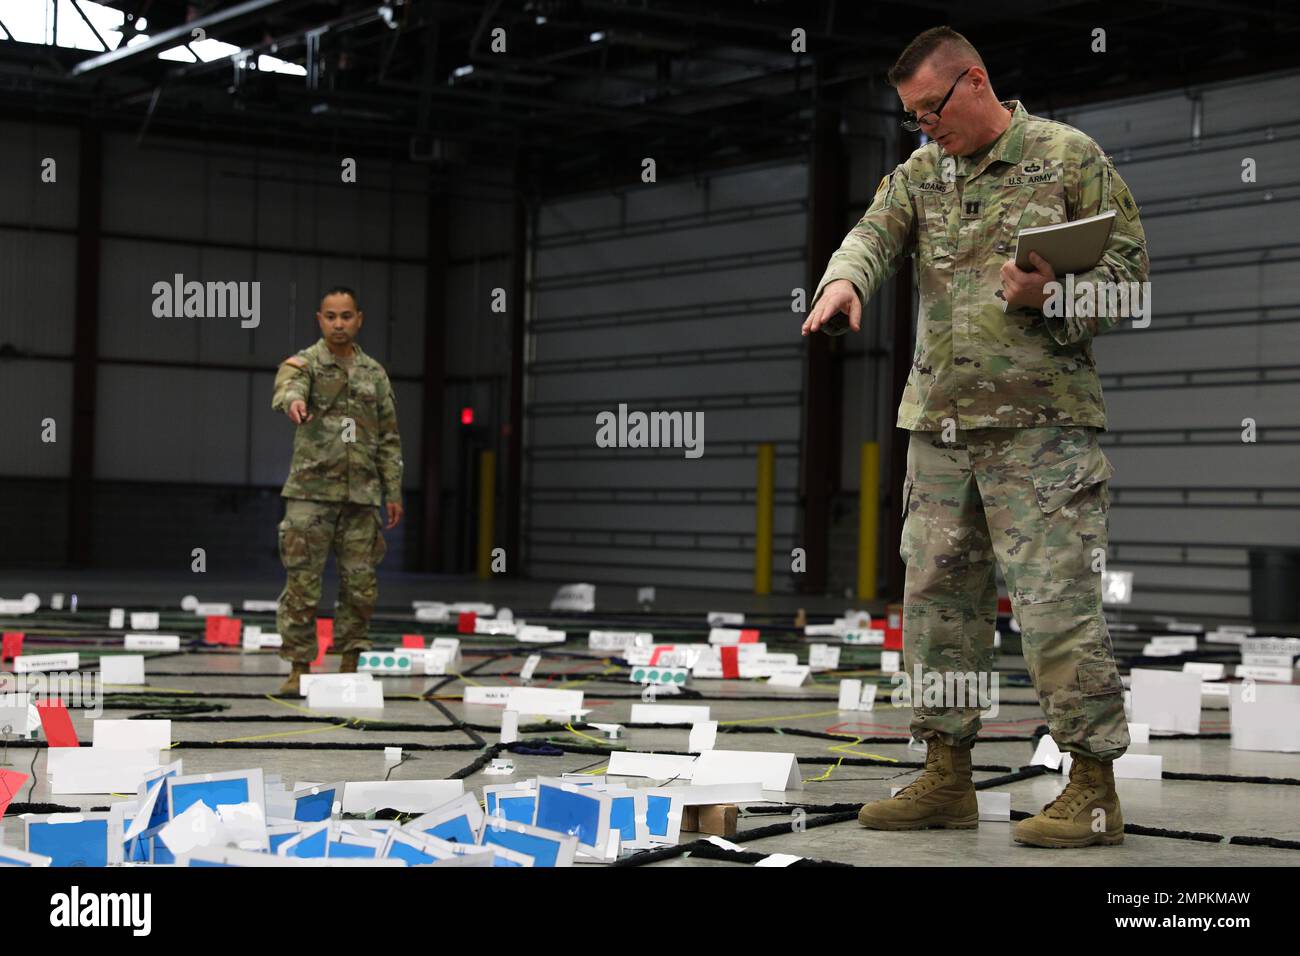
x=777 y=829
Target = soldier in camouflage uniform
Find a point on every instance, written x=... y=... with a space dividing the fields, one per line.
x=346 y=454
x=1004 y=407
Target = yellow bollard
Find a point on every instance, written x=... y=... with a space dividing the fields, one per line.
x=763 y=519
x=868 y=518
x=487 y=481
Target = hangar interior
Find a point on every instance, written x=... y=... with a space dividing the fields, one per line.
x=550 y=209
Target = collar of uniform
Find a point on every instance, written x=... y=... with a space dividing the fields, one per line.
x=1009 y=146
x=327 y=357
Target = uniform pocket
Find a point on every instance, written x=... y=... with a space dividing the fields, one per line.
x=293 y=546
x=1056 y=484
x=1097 y=678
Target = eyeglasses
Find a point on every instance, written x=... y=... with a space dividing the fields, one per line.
x=912 y=122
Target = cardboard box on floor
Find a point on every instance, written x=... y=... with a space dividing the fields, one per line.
x=716 y=818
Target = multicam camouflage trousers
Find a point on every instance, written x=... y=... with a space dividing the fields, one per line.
x=1035 y=500
x=309 y=531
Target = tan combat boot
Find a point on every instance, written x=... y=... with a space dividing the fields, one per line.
x=290 y=685
x=349 y=665
x=943 y=796
x=1072 y=819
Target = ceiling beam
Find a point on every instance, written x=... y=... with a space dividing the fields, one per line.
x=230 y=18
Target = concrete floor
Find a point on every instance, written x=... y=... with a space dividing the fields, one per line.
x=1224 y=808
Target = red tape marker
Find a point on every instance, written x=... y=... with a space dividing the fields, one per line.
x=730 y=661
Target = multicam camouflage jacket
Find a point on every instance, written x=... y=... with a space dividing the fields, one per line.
x=350 y=450
x=974 y=363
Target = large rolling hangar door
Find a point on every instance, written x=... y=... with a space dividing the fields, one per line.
x=1191 y=499
x=665 y=297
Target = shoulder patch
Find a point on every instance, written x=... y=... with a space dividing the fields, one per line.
x=1124 y=200
x=295 y=361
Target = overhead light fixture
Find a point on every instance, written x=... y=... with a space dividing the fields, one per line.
x=465 y=70
x=597 y=36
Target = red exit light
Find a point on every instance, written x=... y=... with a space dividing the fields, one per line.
x=467 y=415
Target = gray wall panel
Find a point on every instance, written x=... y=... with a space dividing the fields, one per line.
x=23 y=149
x=630 y=292
x=37 y=290
x=1210 y=304
x=30 y=392
x=171 y=425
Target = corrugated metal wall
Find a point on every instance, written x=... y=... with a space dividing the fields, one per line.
x=666 y=297
x=186 y=401
x=1189 y=497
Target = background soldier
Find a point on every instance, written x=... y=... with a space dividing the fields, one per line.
x=346 y=454
x=1004 y=408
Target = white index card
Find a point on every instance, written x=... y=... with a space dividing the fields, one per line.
x=575 y=597
x=725 y=618
x=703 y=736
x=117 y=618
x=144 y=620
x=509 y=726
x=890 y=661
x=530 y=665
x=32 y=663
x=1265 y=717
x=1206 y=671
x=198 y=826
x=214 y=609
x=1046 y=754
x=1167 y=700
x=993 y=805
x=152 y=642
x=775 y=771
x=824 y=657
x=131 y=734
x=779 y=860
x=545 y=701
x=122 y=669
x=244 y=825
x=343 y=695
x=404 y=796
x=307 y=681
x=789 y=676
x=98 y=769
x=668 y=713
x=626 y=763
x=868 y=701
x=850 y=693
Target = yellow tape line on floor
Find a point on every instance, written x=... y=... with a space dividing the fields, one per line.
x=845 y=749
x=750 y=720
